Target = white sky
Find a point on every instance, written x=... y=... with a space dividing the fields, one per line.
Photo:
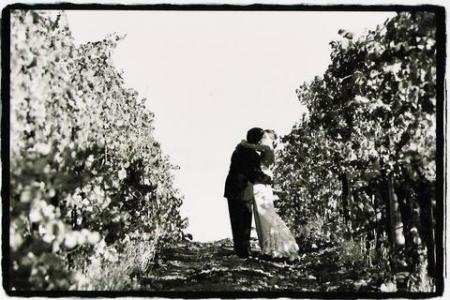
x=210 y=76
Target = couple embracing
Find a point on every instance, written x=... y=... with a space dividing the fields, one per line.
x=248 y=188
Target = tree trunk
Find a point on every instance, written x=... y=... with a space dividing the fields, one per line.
x=406 y=210
x=427 y=230
x=75 y=226
x=345 y=200
x=394 y=223
x=378 y=225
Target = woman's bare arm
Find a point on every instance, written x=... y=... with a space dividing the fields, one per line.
x=256 y=147
x=267 y=156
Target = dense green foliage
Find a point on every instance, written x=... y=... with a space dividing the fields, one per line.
x=85 y=168
x=361 y=164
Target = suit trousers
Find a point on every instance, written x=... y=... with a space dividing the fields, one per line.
x=241 y=222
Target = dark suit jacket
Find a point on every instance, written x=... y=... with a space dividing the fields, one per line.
x=245 y=167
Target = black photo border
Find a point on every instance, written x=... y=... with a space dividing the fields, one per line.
x=441 y=108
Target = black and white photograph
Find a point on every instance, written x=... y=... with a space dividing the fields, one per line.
x=223 y=150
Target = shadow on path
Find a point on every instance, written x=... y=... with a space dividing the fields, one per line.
x=195 y=266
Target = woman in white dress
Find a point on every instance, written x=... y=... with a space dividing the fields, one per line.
x=275 y=238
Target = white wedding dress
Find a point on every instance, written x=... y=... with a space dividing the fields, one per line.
x=275 y=238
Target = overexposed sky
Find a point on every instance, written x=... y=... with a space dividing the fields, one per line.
x=210 y=76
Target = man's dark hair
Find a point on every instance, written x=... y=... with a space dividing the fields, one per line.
x=254 y=135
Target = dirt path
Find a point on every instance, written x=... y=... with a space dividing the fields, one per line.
x=195 y=266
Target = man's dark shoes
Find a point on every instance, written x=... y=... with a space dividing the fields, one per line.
x=265 y=257
x=242 y=255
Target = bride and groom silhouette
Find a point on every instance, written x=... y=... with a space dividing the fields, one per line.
x=248 y=188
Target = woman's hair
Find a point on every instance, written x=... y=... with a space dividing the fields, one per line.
x=254 y=135
x=271 y=131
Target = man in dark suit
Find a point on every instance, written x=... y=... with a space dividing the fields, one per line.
x=245 y=168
